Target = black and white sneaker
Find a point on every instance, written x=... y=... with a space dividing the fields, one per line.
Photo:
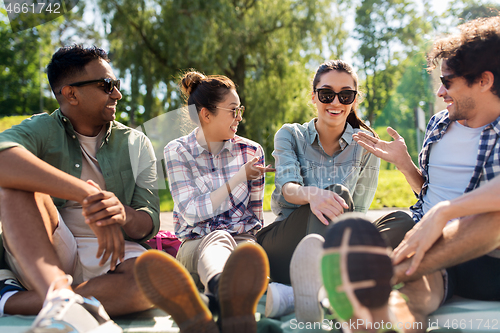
x=356 y=267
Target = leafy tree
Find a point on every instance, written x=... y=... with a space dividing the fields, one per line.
x=24 y=56
x=467 y=10
x=268 y=48
x=390 y=31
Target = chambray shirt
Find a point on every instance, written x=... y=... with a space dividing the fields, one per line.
x=194 y=173
x=300 y=158
x=488 y=156
x=126 y=158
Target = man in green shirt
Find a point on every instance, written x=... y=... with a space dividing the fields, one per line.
x=77 y=197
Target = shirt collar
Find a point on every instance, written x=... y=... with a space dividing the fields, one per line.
x=197 y=149
x=69 y=126
x=495 y=125
x=344 y=141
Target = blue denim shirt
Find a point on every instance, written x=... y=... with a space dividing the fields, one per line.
x=300 y=158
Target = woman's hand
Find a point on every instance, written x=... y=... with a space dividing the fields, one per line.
x=250 y=171
x=326 y=203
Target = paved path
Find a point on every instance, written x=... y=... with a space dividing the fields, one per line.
x=167 y=221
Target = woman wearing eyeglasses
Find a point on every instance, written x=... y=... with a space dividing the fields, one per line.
x=217 y=183
x=321 y=172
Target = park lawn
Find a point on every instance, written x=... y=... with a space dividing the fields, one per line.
x=392 y=191
x=8 y=122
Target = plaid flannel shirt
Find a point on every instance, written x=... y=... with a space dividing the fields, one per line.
x=194 y=173
x=488 y=157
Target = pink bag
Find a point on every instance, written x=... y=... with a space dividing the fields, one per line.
x=165 y=241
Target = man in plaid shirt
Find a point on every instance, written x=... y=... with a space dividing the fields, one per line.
x=453 y=247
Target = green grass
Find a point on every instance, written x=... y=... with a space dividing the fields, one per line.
x=8 y=122
x=392 y=191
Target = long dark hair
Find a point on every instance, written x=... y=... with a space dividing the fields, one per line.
x=342 y=66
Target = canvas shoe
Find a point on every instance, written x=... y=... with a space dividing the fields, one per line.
x=305 y=275
x=242 y=283
x=9 y=282
x=169 y=286
x=279 y=300
x=65 y=311
x=356 y=267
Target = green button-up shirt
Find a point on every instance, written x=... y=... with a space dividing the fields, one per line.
x=126 y=158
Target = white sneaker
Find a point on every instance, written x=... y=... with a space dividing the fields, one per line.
x=305 y=275
x=279 y=300
x=65 y=311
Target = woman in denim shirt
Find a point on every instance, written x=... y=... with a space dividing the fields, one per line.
x=321 y=172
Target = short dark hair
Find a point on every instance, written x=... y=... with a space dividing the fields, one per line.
x=71 y=60
x=472 y=51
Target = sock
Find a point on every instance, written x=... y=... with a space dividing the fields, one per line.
x=213 y=285
x=4 y=299
x=213 y=288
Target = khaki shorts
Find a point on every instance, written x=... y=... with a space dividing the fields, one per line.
x=77 y=256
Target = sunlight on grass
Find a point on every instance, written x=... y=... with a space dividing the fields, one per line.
x=8 y=122
x=392 y=191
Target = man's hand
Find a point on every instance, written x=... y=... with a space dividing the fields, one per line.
x=103 y=208
x=326 y=203
x=111 y=244
x=421 y=237
x=394 y=152
x=105 y=215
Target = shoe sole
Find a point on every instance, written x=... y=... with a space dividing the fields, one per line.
x=169 y=286
x=305 y=275
x=242 y=284
x=356 y=268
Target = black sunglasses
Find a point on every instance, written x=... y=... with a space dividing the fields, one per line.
x=109 y=84
x=446 y=80
x=326 y=95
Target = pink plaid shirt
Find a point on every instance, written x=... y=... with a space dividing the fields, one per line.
x=193 y=173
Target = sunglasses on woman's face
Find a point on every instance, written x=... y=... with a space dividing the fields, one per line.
x=327 y=95
x=108 y=84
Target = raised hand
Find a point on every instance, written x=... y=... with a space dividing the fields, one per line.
x=252 y=171
x=394 y=152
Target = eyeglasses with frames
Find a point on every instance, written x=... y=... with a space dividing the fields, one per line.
x=327 y=95
x=237 y=111
x=109 y=84
x=446 y=80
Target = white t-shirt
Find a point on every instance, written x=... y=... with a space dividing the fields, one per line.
x=451 y=163
x=71 y=212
